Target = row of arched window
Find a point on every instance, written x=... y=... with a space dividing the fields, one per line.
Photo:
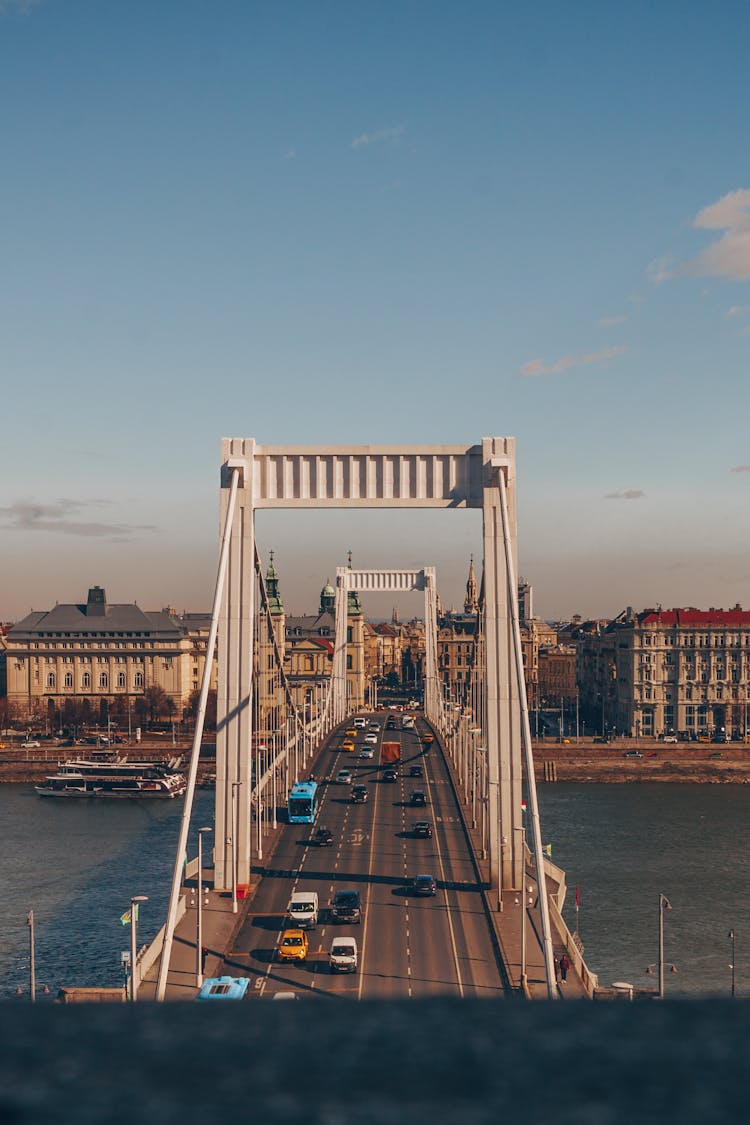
x=86 y=680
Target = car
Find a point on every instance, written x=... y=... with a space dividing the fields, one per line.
x=352 y=732
x=669 y=738
x=285 y=996
x=632 y=754
x=367 y=752
x=293 y=946
x=416 y=771
x=343 y=955
x=391 y=724
x=32 y=744
x=390 y=774
x=715 y=756
x=224 y=988
x=359 y=722
x=374 y=728
x=428 y=737
x=603 y=738
x=424 y=886
x=359 y=794
x=344 y=777
x=371 y=739
x=418 y=799
x=348 y=746
x=323 y=837
x=423 y=829
x=346 y=907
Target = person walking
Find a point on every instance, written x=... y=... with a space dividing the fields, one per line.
x=564 y=966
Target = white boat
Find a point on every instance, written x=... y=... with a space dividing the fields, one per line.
x=107 y=775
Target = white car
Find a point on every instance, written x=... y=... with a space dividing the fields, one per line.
x=371 y=739
x=32 y=745
x=360 y=722
x=344 y=777
x=367 y=752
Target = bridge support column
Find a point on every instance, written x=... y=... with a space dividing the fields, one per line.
x=235 y=680
x=501 y=701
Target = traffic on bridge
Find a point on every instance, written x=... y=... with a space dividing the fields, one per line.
x=414 y=936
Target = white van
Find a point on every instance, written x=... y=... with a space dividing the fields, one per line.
x=360 y=722
x=303 y=909
x=343 y=955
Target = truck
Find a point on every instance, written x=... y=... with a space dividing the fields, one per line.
x=390 y=752
x=343 y=955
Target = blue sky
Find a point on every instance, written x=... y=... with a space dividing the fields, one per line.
x=388 y=223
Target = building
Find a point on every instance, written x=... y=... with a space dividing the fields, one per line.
x=97 y=660
x=684 y=670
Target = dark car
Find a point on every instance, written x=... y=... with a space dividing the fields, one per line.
x=423 y=828
x=323 y=837
x=603 y=738
x=424 y=885
x=390 y=775
x=346 y=907
x=359 y=794
x=416 y=771
x=418 y=798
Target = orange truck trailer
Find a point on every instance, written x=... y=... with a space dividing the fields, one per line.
x=390 y=752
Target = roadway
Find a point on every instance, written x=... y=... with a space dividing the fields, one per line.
x=408 y=946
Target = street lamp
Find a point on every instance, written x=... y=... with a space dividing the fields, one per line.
x=664 y=904
x=199 y=919
x=235 y=841
x=32 y=958
x=135 y=900
x=730 y=935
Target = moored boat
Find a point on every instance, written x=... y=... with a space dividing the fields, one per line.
x=107 y=775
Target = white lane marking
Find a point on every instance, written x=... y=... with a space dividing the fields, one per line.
x=448 y=911
x=365 y=924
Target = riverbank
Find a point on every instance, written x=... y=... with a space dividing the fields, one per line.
x=628 y=760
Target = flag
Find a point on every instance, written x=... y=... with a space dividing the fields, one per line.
x=125 y=918
x=523 y=806
x=578 y=896
x=547 y=849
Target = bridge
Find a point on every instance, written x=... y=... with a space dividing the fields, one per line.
x=480 y=774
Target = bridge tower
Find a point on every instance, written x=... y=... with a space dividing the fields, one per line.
x=442 y=476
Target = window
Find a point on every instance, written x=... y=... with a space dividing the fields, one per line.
x=103 y=680
x=139 y=679
x=86 y=680
x=50 y=679
x=68 y=679
x=121 y=679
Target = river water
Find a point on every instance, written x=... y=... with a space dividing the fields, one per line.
x=77 y=863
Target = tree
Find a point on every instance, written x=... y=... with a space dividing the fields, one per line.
x=156 y=701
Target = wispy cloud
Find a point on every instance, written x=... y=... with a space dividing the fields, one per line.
x=390 y=133
x=728 y=256
x=57 y=518
x=740 y=469
x=608 y=320
x=290 y=154
x=626 y=494
x=738 y=310
x=538 y=367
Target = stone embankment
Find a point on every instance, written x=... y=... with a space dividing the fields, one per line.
x=629 y=760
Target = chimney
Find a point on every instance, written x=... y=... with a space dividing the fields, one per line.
x=96 y=605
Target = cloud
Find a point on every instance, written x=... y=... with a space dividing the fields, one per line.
x=607 y=320
x=290 y=154
x=537 y=366
x=740 y=469
x=26 y=515
x=391 y=133
x=626 y=494
x=730 y=255
x=737 y=310
x=661 y=269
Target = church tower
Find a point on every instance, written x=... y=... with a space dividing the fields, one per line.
x=471 y=604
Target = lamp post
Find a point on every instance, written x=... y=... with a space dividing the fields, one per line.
x=730 y=935
x=199 y=918
x=235 y=831
x=32 y=961
x=135 y=900
x=664 y=904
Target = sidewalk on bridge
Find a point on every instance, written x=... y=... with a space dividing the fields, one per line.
x=219 y=926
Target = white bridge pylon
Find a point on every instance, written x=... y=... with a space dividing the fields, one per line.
x=482 y=476
x=385 y=582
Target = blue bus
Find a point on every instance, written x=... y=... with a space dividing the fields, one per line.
x=224 y=988
x=303 y=802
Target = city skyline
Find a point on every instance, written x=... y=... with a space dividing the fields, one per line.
x=384 y=226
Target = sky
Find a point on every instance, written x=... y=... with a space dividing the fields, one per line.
x=390 y=223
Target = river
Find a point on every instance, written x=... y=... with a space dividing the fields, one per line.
x=77 y=863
